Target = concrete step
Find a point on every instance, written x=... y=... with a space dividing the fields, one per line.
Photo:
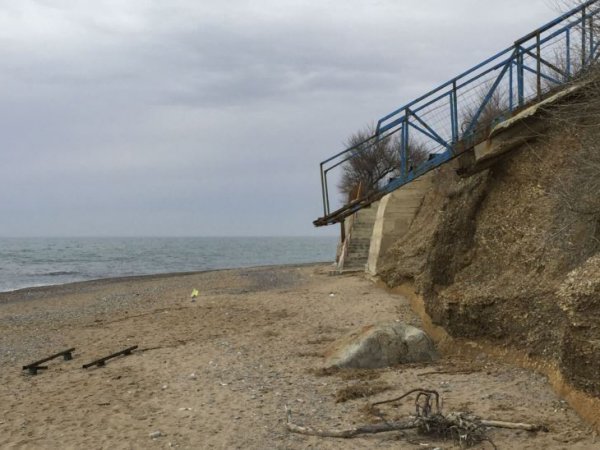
x=354 y=248
x=362 y=229
x=357 y=247
x=359 y=241
x=359 y=252
x=354 y=266
x=355 y=262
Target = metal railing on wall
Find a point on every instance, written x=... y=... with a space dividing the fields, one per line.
x=459 y=113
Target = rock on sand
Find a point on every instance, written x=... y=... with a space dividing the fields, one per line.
x=381 y=345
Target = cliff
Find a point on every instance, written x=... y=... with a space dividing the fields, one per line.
x=512 y=253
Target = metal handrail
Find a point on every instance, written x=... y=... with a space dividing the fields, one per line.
x=522 y=73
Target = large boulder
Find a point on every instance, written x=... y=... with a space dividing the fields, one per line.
x=381 y=345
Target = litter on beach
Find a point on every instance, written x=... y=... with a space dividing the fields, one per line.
x=102 y=361
x=35 y=366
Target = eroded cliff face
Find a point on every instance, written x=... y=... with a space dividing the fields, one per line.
x=512 y=254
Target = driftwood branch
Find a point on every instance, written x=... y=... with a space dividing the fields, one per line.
x=512 y=425
x=453 y=419
x=464 y=428
x=351 y=432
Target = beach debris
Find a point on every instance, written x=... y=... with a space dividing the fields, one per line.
x=465 y=429
x=100 y=362
x=156 y=434
x=35 y=366
x=332 y=294
x=193 y=376
x=194 y=294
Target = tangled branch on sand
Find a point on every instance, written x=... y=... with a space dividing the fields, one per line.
x=464 y=428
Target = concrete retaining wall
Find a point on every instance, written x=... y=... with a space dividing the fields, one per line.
x=394 y=215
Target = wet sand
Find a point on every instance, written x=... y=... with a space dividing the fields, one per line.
x=217 y=372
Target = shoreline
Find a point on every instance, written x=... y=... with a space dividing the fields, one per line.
x=142 y=277
x=41 y=262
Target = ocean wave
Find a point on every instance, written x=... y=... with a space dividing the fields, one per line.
x=48 y=261
x=58 y=273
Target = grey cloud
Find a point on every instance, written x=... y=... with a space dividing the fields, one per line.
x=210 y=117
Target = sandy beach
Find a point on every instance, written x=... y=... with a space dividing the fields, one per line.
x=216 y=372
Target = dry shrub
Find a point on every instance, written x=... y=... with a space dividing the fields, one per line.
x=493 y=110
x=374 y=160
x=579 y=122
x=371 y=160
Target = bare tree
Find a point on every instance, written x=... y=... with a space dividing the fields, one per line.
x=564 y=5
x=417 y=154
x=373 y=160
x=496 y=106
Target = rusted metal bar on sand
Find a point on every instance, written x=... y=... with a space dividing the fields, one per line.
x=35 y=366
x=100 y=362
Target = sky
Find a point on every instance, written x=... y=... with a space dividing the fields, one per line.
x=210 y=117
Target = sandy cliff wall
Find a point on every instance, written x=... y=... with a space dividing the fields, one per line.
x=512 y=253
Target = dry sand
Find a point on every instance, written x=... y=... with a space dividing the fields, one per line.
x=217 y=372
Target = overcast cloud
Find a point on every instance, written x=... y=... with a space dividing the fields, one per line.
x=181 y=117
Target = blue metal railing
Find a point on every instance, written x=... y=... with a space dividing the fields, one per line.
x=457 y=114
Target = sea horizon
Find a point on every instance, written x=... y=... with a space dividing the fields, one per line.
x=27 y=262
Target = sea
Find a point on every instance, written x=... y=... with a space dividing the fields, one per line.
x=29 y=262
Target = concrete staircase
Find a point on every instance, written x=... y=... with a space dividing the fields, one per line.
x=359 y=232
